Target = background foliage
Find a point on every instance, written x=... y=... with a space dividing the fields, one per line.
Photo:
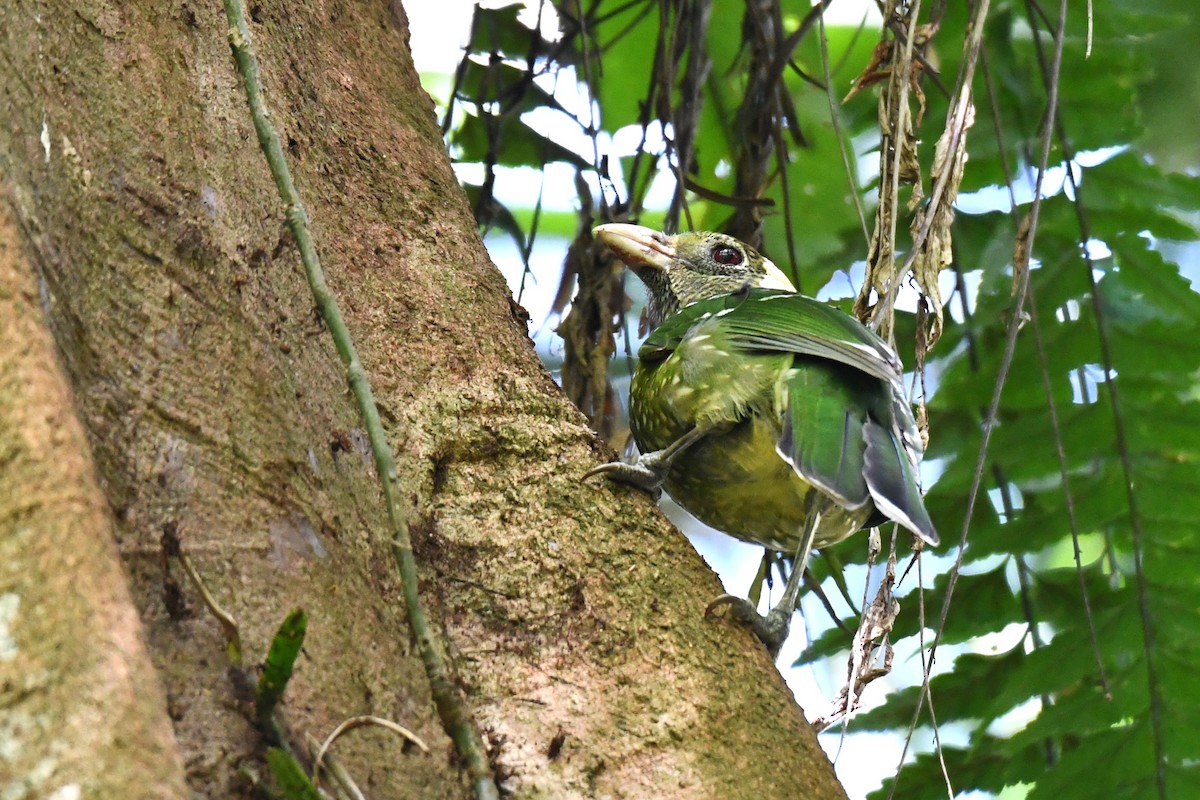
x=1080 y=554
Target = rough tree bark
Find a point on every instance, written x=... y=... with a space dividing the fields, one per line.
x=144 y=233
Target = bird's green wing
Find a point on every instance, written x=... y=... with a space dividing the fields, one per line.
x=840 y=435
x=768 y=319
x=822 y=435
x=782 y=321
x=892 y=481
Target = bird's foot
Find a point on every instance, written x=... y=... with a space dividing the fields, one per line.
x=771 y=630
x=647 y=473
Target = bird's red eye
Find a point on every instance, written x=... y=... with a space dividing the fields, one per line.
x=729 y=256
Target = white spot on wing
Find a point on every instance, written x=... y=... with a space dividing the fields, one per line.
x=866 y=348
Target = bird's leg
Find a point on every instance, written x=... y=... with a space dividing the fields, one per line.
x=773 y=629
x=650 y=469
x=769 y=559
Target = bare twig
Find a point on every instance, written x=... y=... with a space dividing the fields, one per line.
x=1054 y=122
x=1024 y=246
x=363 y=721
x=229 y=626
x=835 y=117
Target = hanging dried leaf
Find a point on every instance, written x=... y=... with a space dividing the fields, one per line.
x=932 y=224
x=898 y=160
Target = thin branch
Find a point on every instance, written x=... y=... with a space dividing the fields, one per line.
x=229 y=626
x=363 y=721
x=1047 y=387
x=1021 y=273
x=449 y=704
x=785 y=192
x=1026 y=593
x=949 y=162
x=783 y=54
x=896 y=96
x=835 y=117
x=926 y=666
x=1054 y=122
x=1135 y=517
x=1068 y=494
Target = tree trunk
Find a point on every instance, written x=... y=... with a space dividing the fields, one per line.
x=217 y=414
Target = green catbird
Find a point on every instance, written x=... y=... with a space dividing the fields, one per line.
x=766 y=414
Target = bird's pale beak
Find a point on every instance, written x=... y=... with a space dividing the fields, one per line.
x=637 y=245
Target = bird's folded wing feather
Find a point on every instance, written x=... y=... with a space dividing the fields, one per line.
x=828 y=435
x=780 y=321
x=893 y=483
x=823 y=430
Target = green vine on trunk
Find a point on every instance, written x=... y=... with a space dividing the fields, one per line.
x=450 y=705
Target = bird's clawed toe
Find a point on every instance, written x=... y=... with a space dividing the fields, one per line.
x=771 y=629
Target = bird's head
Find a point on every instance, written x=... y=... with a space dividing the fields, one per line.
x=688 y=267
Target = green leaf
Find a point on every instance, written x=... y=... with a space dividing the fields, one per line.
x=277 y=671
x=291 y=777
x=505 y=139
x=627 y=34
x=497 y=30
x=511 y=88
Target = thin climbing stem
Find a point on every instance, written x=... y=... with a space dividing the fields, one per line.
x=450 y=705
